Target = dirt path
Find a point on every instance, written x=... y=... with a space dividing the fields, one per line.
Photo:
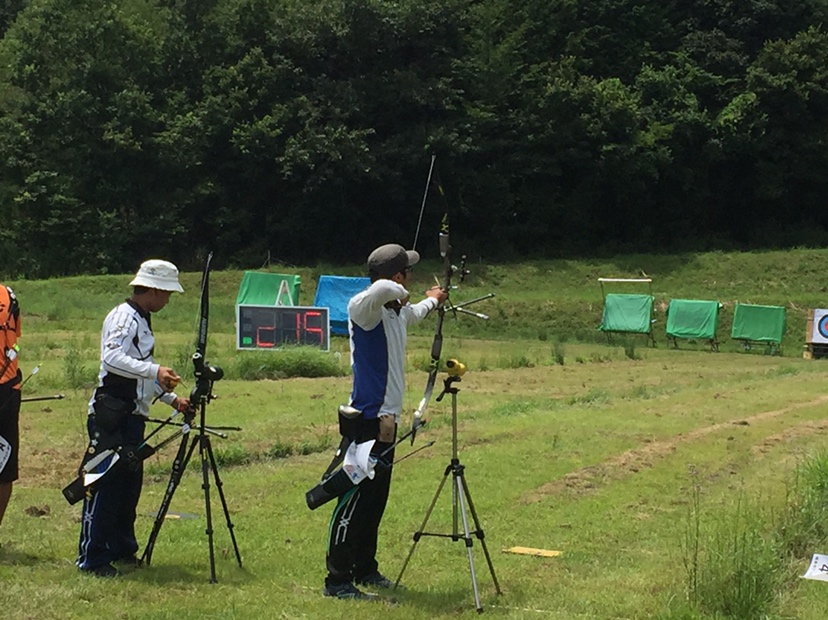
x=635 y=460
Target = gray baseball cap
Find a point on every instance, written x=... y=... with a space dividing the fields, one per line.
x=389 y=259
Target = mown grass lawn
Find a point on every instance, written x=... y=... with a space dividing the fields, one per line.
x=606 y=458
x=597 y=460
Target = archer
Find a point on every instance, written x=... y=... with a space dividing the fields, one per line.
x=128 y=382
x=378 y=319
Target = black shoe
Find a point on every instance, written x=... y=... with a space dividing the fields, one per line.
x=377 y=580
x=107 y=570
x=348 y=591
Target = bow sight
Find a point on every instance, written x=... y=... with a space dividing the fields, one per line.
x=205 y=376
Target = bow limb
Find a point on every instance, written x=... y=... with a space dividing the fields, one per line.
x=204 y=312
x=204 y=316
x=203 y=380
x=437 y=343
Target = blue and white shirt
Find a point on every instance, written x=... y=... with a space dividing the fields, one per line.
x=378 y=339
x=128 y=370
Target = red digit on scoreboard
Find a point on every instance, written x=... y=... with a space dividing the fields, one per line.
x=271 y=333
x=315 y=330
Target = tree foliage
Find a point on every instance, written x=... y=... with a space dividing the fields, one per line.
x=303 y=130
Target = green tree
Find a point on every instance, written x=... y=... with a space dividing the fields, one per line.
x=8 y=13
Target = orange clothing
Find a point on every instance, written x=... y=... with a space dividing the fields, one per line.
x=9 y=333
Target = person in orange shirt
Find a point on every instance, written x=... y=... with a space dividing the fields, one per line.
x=10 y=379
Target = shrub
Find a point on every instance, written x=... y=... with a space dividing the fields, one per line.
x=285 y=363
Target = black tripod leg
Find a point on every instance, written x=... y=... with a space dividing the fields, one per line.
x=219 y=487
x=204 y=450
x=481 y=536
x=182 y=457
x=418 y=534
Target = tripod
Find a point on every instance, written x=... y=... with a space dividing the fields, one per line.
x=461 y=501
x=208 y=463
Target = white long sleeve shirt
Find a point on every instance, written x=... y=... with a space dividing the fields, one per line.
x=128 y=370
x=378 y=341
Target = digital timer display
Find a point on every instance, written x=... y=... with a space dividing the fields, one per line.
x=268 y=327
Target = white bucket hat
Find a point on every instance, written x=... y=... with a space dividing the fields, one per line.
x=158 y=274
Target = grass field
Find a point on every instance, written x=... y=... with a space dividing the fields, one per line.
x=648 y=468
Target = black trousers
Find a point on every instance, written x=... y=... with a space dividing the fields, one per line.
x=10 y=429
x=354 y=529
x=108 y=518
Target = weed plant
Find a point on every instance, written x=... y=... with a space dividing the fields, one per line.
x=804 y=521
x=629 y=349
x=732 y=562
x=559 y=353
x=76 y=375
x=736 y=563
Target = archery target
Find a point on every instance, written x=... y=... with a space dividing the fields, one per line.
x=819 y=333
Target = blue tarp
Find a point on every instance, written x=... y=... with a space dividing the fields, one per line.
x=334 y=293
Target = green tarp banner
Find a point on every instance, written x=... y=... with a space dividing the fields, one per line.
x=692 y=318
x=259 y=288
x=627 y=313
x=758 y=323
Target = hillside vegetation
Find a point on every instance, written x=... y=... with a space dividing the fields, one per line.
x=539 y=300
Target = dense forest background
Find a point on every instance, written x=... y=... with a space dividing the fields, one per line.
x=303 y=129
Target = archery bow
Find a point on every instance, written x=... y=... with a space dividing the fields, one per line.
x=205 y=374
x=448 y=272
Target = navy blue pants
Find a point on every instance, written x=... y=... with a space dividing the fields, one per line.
x=354 y=529
x=108 y=518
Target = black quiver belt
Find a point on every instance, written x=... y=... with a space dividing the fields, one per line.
x=110 y=416
x=335 y=482
x=129 y=457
